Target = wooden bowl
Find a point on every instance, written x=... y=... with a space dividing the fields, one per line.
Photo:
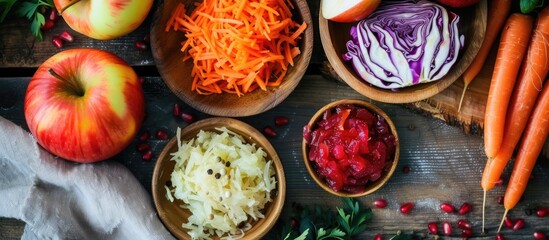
x=334 y=37
x=172 y=215
x=177 y=74
x=370 y=186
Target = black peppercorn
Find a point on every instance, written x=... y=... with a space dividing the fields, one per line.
x=210 y=171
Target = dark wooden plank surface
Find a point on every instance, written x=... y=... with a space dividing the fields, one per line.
x=19 y=48
x=446 y=163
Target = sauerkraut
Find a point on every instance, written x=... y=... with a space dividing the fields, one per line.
x=224 y=182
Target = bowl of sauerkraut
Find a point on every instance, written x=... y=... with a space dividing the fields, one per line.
x=218 y=178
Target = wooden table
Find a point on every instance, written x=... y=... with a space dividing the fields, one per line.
x=446 y=163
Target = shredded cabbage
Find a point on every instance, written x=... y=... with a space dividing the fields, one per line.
x=223 y=181
x=405 y=43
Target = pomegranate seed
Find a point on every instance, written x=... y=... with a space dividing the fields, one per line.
x=269 y=131
x=539 y=235
x=141 y=45
x=508 y=222
x=161 y=135
x=57 y=42
x=378 y=237
x=293 y=223
x=464 y=224
x=406 y=169
x=176 y=110
x=66 y=36
x=447 y=207
x=187 y=117
x=499 y=236
x=147 y=38
x=499 y=182
x=147 y=156
x=54 y=15
x=144 y=136
x=143 y=147
x=433 y=228
x=281 y=121
x=380 y=203
x=542 y=212
x=447 y=227
x=500 y=200
x=519 y=224
x=465 y=208
x=406 y=208
x=466 y=232
x=48 y=24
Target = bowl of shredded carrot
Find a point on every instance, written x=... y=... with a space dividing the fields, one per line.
x=232 y=58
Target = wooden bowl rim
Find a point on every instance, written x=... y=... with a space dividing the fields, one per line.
x=411 y=93
x=372 y=187
x=251 y=135
x=252 y=103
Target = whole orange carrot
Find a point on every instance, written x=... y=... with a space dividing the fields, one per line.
x=532 y=143
x=498 y=10
x=530 y=82
x=512 y=48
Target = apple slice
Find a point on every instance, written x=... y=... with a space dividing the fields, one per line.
x=347 y=10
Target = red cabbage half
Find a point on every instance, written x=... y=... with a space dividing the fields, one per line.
x=405 y=43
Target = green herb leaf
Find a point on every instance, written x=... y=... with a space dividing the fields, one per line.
x=303 y=236
x=27 y=9
x=307 y=224
x=337 y=233
x=527 y=6
x=39 y=20
x=363 y=216
x=343 y=220
x=317 y=223
x=5 y=7
x=31 y=10
x=320 y=233
x=348 y=203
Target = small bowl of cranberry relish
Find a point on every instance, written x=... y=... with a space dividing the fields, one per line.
x=350 y=148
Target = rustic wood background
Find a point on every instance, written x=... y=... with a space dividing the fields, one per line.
x=444 y=149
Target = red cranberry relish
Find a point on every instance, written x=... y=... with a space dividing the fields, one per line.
x=350 y=147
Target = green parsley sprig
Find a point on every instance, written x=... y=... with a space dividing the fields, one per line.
x=318 y=223
x=527 y=6
x=33 y=10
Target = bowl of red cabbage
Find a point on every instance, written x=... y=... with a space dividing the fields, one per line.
x=405 y=51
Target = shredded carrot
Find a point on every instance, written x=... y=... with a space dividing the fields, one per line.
x=238 y=46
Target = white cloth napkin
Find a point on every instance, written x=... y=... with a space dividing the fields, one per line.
x=58 y=199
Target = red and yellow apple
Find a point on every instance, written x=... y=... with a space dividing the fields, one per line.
x=458 y=3
x=84 y=105
x=104 y=19
x=347 y=10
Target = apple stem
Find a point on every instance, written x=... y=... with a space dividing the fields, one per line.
x=68 y=6
x=75 y=87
